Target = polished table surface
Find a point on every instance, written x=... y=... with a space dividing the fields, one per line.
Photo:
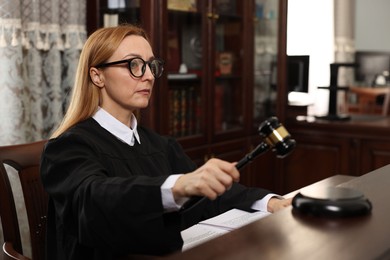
x=288 y=234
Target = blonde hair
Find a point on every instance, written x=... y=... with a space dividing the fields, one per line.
x=98 y=48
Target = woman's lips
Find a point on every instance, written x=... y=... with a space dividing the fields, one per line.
x=144 y=91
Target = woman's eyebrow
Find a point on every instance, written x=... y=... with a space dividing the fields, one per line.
x=131 y=55
x=135 y=55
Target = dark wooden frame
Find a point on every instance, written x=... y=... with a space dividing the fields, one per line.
x=25 y=158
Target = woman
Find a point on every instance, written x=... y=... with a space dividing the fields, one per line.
x=117 y=188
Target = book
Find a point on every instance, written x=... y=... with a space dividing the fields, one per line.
x=219 y=225
x=176 y=123
x=172 y=111
x=183 y=110
x=191 y=111
x=182 y=5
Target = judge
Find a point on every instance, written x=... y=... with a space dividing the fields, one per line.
x=117 y=188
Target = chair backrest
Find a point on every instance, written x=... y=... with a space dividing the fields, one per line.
x=25 y=158
x=386 y=103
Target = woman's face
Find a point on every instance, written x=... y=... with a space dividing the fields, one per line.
x=122 y=93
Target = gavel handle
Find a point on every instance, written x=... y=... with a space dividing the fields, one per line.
x=261 y=148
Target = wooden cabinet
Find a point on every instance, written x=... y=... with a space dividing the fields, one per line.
x=317 y=156
x=326 y=148
x=205 y=82
x=225 y=67
x=374 y=153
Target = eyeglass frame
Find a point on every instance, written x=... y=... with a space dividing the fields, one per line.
x=128 y=61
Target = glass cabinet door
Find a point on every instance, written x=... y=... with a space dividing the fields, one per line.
x=265 y=59
x=114 y=12
x=228 y=105
x=184 y=68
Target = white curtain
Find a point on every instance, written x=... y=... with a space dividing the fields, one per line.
x=40 y=43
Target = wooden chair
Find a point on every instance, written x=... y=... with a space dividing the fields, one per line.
x=367 y=100
x=25 y=158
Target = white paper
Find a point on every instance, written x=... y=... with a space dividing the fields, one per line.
x=199 y=234
x=234 y=219
x=217 y=226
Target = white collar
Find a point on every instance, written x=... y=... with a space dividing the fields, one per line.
x=117 y=128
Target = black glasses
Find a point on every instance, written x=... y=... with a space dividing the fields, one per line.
x=137 y=66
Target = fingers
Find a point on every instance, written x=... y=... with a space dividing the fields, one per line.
x=212 y=188
x=210 y=180
x=215 y=177
x=221 y=173
x=275 y=204
x=230 y=168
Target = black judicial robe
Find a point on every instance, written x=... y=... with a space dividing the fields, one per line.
x=105 y=198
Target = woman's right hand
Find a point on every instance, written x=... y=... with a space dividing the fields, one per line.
x=210 y=180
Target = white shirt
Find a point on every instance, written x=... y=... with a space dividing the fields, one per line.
x=129 y=135
x=117 y=128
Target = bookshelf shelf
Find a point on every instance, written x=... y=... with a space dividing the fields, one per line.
x=183 y=77
x=227 y=77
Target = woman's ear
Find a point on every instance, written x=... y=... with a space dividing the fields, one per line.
x=96 y=77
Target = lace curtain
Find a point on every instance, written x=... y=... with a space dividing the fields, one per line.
x=40 y=43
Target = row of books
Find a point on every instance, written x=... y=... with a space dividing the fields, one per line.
x=184 y=111
x=222 y=6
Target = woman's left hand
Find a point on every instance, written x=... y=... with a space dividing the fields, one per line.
x=276 y=204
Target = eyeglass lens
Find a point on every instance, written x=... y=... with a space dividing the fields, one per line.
x=137 y=67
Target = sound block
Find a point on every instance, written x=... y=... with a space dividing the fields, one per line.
x=332 y=202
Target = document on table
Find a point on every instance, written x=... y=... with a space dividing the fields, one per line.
x=217 y=226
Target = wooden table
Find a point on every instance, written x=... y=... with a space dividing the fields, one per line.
x=288 y=234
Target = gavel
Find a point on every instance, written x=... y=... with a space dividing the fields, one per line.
x=275 y=137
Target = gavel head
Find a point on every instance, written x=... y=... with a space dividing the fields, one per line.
x=277 y=137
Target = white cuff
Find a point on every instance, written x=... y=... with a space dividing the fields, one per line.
x=261 y=205
x=168 y=200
